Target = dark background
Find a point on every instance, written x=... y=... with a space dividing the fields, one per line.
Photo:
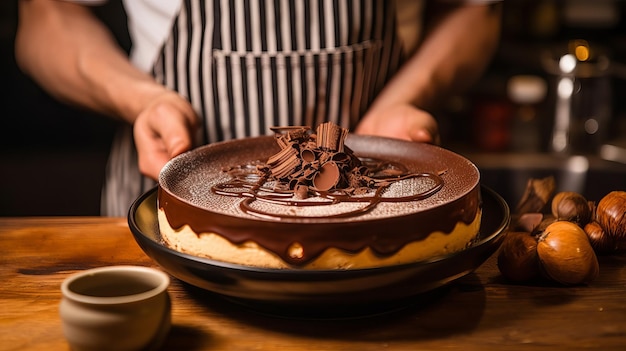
x=53 y=157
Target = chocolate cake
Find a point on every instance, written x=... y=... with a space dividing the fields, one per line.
x=319 y=200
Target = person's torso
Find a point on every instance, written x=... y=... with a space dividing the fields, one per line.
x=247 y=66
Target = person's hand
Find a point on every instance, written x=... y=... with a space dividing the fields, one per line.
x=163 y=130
x=401 y=122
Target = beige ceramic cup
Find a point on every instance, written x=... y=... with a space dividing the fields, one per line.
x=116 y=308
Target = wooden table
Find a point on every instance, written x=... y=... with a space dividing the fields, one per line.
x=480 y=312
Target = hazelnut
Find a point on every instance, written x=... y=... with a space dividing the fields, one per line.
x=571 y=206
x=565 y=254
x=599 y=239
x=611 y=214
x=517 y=258
x=545 y=222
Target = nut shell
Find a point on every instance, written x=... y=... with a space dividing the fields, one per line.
x=611 y=214
x=566 y=255
x=600 y=241
x=517 y=258
x=571 y=206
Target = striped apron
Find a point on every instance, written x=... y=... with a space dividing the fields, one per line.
x=248 y=65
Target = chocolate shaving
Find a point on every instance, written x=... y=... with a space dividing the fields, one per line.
x=284 y=163
x=318 y=161
x=331 y=136
x=327 y=177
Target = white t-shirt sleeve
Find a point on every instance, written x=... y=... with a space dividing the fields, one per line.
x=149 y=24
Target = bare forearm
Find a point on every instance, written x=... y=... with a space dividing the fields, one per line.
x=73 y=56
x=455 y=52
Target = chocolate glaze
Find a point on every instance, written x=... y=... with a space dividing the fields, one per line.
x=384 y=236
x=458 y=201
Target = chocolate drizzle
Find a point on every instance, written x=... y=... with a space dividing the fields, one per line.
x=251 y=187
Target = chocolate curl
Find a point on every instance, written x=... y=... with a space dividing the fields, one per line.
x=311 y=170
x=341 y=157
x=310 y=144
x=308 y=155
x=331 y=136
x=327 y=177
x=293 y=130
x=282 y=142
x=287 y=136
x=284 y=162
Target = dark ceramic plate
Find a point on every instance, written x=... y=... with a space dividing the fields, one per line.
x=297 y=292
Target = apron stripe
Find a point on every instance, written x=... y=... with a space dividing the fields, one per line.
x=201 y=74
x=213 y=114
x=315 y=33
x=291 y=89
x=169 y=61
x=238 y=66
x=194 y=54
x=302 y=39
x=180 y=54
x=187 y=48
x=286 y=25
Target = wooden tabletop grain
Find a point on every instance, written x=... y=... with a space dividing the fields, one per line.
x=479 y=312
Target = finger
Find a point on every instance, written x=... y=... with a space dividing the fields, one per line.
x=424 y=129
x=425 y=135
x=151 y=152
x=152 y=160
x=162 y=132
x=174 y=127
x=421 y=136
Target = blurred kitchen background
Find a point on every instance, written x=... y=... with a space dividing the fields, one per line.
x=552 y=103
